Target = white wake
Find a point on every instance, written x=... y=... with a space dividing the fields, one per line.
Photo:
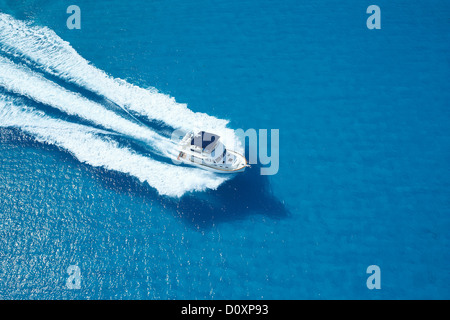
x=88 y=146
x=40 y=48
x=50 y=53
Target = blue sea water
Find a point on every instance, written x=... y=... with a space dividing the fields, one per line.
x=364 y=151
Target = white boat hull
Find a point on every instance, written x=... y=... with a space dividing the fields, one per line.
x=238 y=166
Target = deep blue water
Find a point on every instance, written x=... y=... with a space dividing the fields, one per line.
x=364 y=173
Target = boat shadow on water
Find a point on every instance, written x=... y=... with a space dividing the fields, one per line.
x=244 y=195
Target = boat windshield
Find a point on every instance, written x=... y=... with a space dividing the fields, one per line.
x=219 y=152
x=222 y=156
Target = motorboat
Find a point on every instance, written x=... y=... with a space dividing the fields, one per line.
x=206 y=151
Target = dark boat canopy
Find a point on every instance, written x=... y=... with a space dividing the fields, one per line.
x=205 y=140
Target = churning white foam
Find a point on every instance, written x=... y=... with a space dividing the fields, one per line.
x=21 y=80
x=50 y=53
x=43 y=50
x=88 y=146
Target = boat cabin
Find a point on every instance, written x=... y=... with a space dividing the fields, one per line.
x=204 y=150
x=204 y=147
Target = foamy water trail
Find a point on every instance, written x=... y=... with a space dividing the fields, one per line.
x=38 y=52
x=21 y=80
x=88 y=146
x=50 y=53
